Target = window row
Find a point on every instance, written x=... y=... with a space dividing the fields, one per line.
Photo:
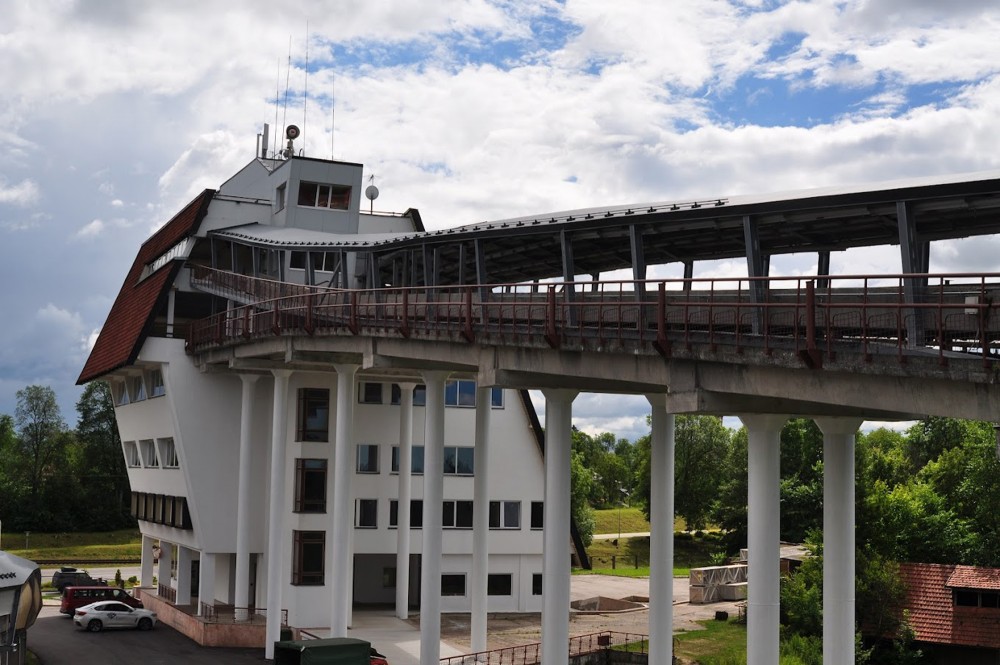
x=458 y=460
x=138 y=388
x=161 y=509
x=309 y=558
x=454 y=514
x=457 y=392
x=151 y=454
x=313 y=412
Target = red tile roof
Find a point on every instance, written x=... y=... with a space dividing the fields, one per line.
x=933 y=615
x=971 y=577
x=132 y=314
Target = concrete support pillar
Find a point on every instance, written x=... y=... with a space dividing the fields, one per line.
x=276 y=511
x=764 y=508
x=166 y=563
x=403 y=504
x=555 y=544
x=341 y=577
x=838 y=539
x=206 y=582
x=146 y=567
x=481 y=520
x=430 y=558
x=183 y=575
x=661 y=535
x=243 y=517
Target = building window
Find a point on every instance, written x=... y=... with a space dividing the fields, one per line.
x=168 y=453
x=416 y=513
x=314 y=414
x=148 y=450
x=310 y=485
x=137 y=389
x=416 y=459
x=308 y=557
x=460 y=392
x=459 y=461
x=419 y=395
x=389 y=578
x=279 y=197
x=499 y=584
x=317 y=195
x=367 y=458
x=505 y=514
x=366 y=514
x=120 y=391
x=132 y=454
x=537 y=515
x=536 y=584
x=970 y=598
x=453 y=584
x=457 y=515
x=370 y=393
x=157 y=389
x=496 y=398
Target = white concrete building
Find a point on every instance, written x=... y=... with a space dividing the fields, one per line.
x=235 y=470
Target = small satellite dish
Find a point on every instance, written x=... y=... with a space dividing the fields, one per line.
x=371 y=192
x=292 y=132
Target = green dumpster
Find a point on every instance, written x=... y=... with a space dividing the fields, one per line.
x=332 y=651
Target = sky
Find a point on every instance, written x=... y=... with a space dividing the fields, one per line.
x=116 y=113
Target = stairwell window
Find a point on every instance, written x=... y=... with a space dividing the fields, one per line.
x=313 y=415
x=505 y=514
x=310 y=485
x=308 y=557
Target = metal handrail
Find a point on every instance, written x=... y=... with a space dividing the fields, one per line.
x=864 y=310
x=530 y=654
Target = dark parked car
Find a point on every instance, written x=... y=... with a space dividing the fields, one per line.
x=65 y=577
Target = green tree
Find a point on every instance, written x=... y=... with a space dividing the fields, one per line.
x=582 y=513
x=39 y=426
x=99 y=463
x=699 y=443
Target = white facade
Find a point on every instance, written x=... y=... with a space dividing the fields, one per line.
x=181 y=427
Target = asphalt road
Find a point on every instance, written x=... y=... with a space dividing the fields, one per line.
x=56 y=640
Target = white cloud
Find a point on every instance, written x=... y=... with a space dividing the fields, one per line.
x=91 y=229
x=23 y=193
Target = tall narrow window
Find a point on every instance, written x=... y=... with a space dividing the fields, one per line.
x=132 y=454
x=137 y=389
x=279 y=197
x=313 y=414
x=310 y=485
x=148 y=449
x=496 y=398
x=308 y=557
x=367 y=458
x=537 y=514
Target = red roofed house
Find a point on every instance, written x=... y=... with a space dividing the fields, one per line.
x=956 y=607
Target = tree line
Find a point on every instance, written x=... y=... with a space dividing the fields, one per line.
x=53 y=478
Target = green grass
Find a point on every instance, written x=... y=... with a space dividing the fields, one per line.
x=721 y=643
x=689 y=552
x=76 y=548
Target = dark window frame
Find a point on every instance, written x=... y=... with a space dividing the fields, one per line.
x=307 y=471
x=309 y=401
x=301 y=575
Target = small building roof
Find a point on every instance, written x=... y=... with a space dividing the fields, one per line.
x=974 y=577
x=285 y=236
x=933 y=615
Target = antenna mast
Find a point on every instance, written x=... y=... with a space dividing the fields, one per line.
x=288 y=74
x=305 y=91
x=277 y=95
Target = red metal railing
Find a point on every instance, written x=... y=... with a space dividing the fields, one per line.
x=530 y=654
x=866 y=314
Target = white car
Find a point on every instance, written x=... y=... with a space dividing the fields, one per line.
x=111 y=614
